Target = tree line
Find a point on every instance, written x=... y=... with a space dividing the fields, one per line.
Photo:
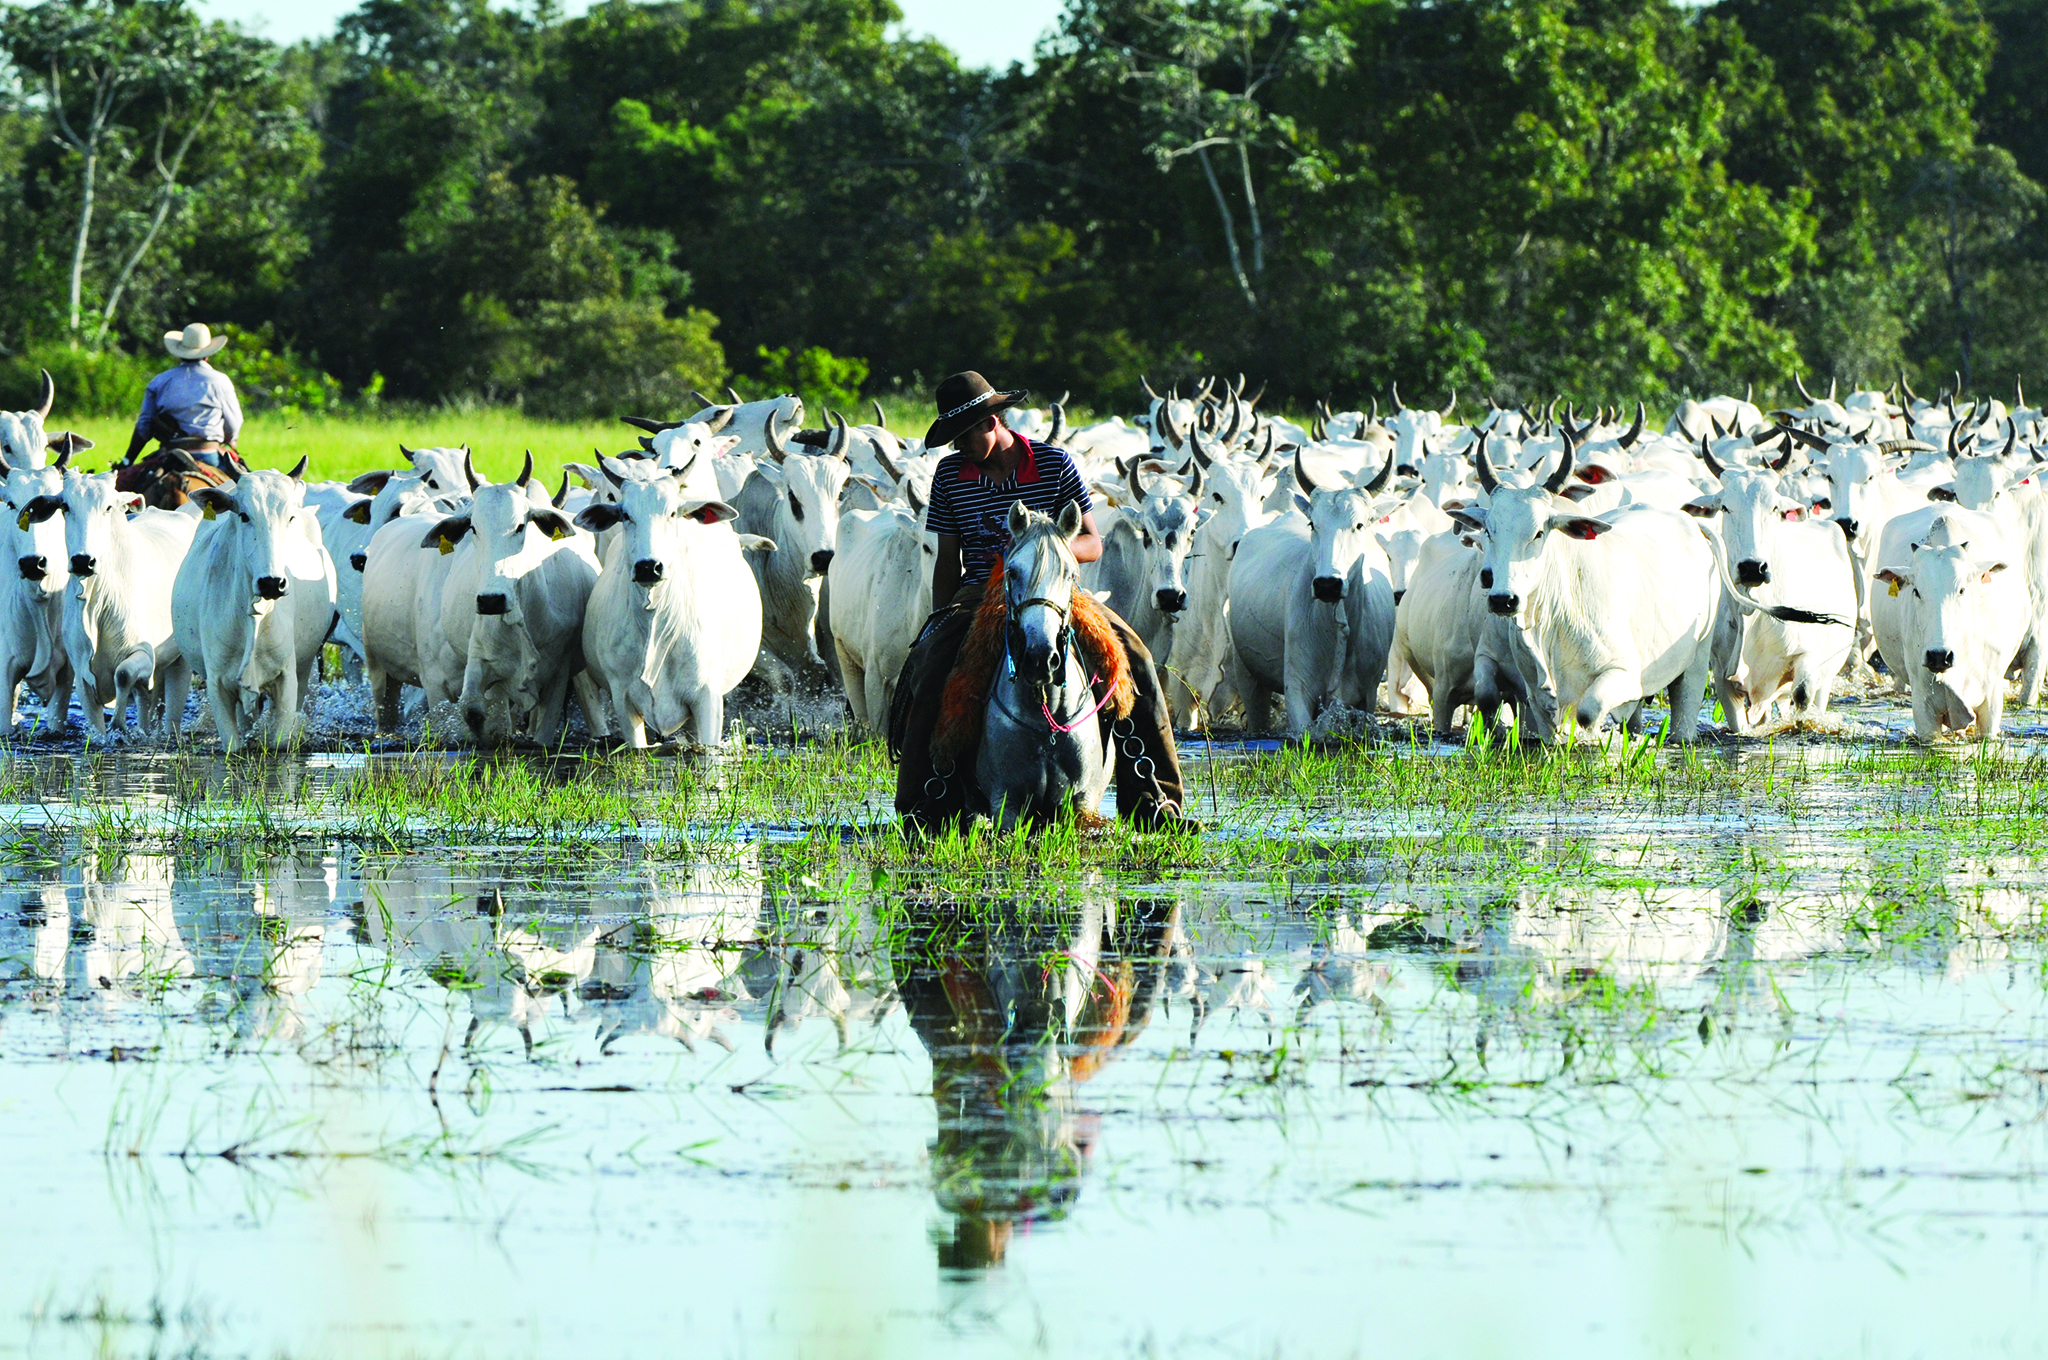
x=1611 y=199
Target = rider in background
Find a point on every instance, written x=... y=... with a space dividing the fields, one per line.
x=991 y=467
x=193 y=405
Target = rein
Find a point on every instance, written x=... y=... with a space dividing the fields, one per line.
x=1066 y=642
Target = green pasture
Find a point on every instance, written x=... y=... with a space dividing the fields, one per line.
x=339 y=447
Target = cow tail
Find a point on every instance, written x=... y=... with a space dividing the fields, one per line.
x=1784 y=613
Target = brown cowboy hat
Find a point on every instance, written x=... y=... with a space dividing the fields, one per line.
x=964 y=400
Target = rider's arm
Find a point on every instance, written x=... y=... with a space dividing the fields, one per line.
x=946 y=571
x=1086 y=545
x=142 y=423
x=231 y=422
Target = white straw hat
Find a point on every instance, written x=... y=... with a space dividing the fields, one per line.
x=194 y=342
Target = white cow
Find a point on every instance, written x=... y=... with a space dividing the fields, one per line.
x=2006 y=487
x=32 y=596
x=253 y=604
x=758 y=425
x=675 y=619
x=117 y=613
x=512 y=610
x=1145 y=549
x=1437 y=627
x=1950 y=614
x=1604 y=611
x=401 y=581
x=1231 y=496
x=1864 y=493
x=1312 y=605
x=792 y=500
x=881 y=584
x=1780 y=554
x=347 y=530
x=23 y=441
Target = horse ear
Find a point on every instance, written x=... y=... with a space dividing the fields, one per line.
x=1070 y=519
x=1020 y=519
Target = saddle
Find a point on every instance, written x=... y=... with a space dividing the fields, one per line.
x=167 y=478
x=965 y=701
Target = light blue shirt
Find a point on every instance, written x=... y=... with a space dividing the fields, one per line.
x=200 y=396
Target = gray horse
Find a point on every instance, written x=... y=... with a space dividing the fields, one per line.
x=1042 y=748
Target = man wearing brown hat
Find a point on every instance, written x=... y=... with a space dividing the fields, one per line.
x=992 y=467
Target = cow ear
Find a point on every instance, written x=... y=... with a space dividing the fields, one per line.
x=370 y=483
x=359 y=512
x=1894 y=578
x=1945 y=492
x=1579 y=526
x=552 y=523
x=1991 y=571
x=68 y=442
x=1702 y=509
x=213 y=501
x=711 y=512
x=446 y=534
x=1577 y=492
x=1472 y=517
x=771 y=473
x=1796 y=515
x=1301 y=503
x=754 y=543
x=599 y=517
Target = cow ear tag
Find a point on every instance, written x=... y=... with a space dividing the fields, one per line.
x=557 y=532
x=207 y=511
x=23 y=521
x=444 y=545
x=1894 y=587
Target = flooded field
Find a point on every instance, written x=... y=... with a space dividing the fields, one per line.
x=1734 y=1052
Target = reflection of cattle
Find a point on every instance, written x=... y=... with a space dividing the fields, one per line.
x=133 y=946
x=826 y=963
x=679 y=973
x=1011 y=1039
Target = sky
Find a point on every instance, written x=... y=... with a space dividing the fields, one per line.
x=983 y=32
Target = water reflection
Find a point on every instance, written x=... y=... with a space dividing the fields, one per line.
x=1018 y=1007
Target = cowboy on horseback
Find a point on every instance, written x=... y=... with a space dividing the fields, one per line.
x=192 y=407
x=1082 y=668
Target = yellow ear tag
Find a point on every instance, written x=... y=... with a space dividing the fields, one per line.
x=207 y=511
x=558 y=533
x=1895 y=587
x=445 y=546
x=23 y=521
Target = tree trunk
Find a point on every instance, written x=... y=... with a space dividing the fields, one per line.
x=88 y=172
x=1251 y=206
x=1229 y=230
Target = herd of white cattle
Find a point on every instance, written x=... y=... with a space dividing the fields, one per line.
x=1566 y=569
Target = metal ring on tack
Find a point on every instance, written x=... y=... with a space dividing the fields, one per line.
x=938 y=794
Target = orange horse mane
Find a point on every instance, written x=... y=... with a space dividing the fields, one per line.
x=965 y=702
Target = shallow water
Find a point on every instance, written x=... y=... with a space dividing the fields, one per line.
x=1747 y=1079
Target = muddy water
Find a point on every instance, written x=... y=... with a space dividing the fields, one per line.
x=1708 y=1089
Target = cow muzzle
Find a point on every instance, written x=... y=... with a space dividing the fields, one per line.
x=492 y=604
x=1939 y=660
x=1849 y=527
x=1170 y=601
x=1504 y=605
x=359 y=560
x=34 y=568
x=84 y=564
x=270 y=587
x=821 y=561
x=1750 y=572
x=648 y=571
x=1328 y=589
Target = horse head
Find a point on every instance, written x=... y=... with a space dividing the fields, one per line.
x=1040 y=575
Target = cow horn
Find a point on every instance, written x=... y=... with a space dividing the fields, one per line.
x=1256 y=395
x=1554 y=483
x=298 y=472
x=1059 y=423
x=408 y=453
x=1831 y=387
x=1382 y=477
x=1202 y=455
x=561 y=496
x=701 y=398
x=1301 y=477
x=888 y=464
x=1635 y=431
x=1483 y=466
x=2011 y=438
x=1266 y=454
x=1450 y=407
x=734 y=395
x=1208 y=387
x=650 y=424
x=1799 y=381
x=1195 y=480
x=1236 y=421
x=1907 y=387
x=1955 y=431
x=48 y=398
x=1715 y=426
x=1375 y=408
x=1707 y=456
x=881 y=417
x=469 y=470
x=526 y=472
x=1398 y=404
x=646 y=443
x=604 y=465
x=2019 y=392
x=841 y=436
x=776 y=449
x=1146 y=383
x=1172 y=432
x=63 y=457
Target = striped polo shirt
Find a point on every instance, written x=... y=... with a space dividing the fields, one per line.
x=966 y=503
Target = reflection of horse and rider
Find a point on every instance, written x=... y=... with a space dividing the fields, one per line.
x=1023 y=693
x=1012 y=1038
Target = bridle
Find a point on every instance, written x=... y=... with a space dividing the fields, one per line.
x=1052 y=686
